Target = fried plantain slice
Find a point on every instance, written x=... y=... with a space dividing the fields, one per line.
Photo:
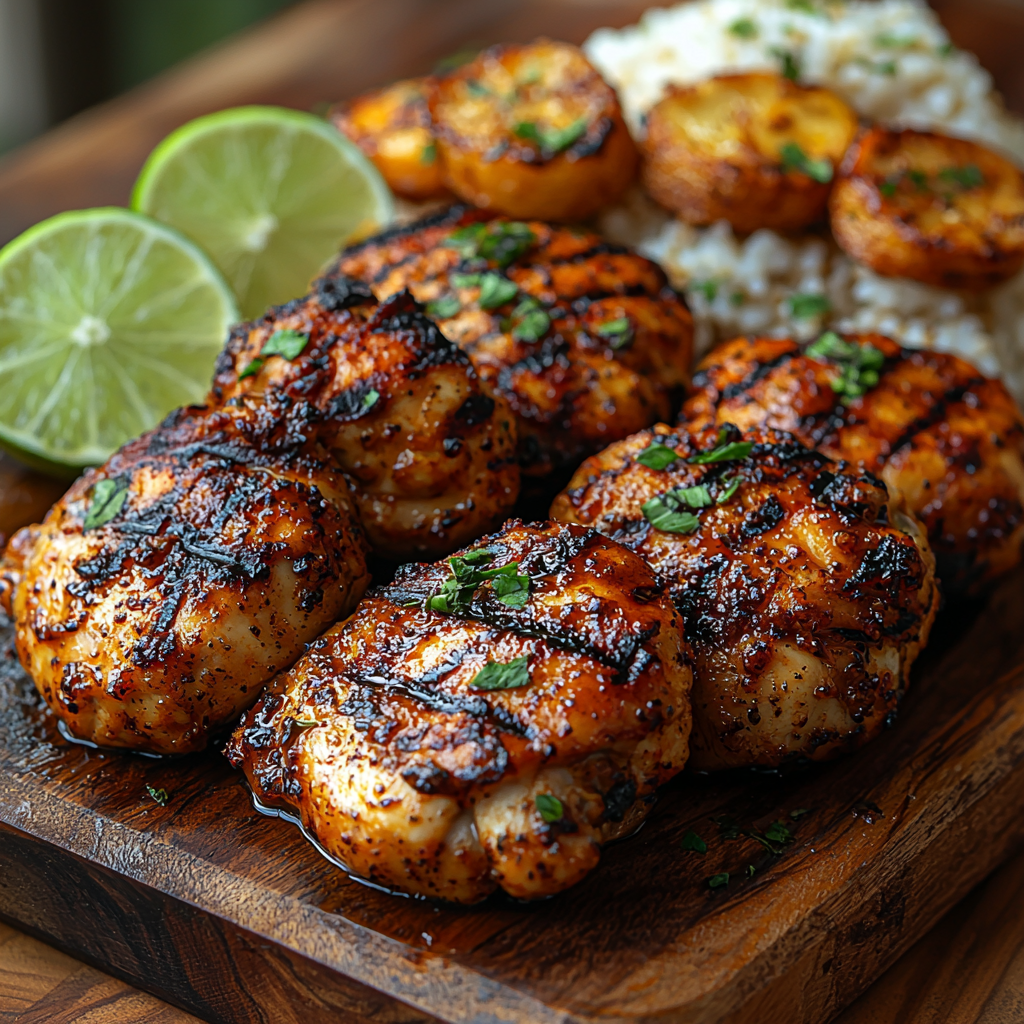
x=392 y=127
x=532 y=131
x=757 y=150
x=944 y=211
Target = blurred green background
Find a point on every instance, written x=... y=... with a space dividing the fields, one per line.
x=58 y=57
x=148 y=36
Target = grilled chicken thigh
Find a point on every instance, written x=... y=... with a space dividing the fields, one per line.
x=165 y=588
x=585 y=340
x=806 y=593
x=929 y=424
x=482 y=722
x=430 y=455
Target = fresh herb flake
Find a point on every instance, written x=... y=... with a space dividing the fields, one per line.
x=252 y=368
x=444 y=307
x=717 y=881
x=370 y=399
x=778 y=832
x=789 y=66
x=799 y=813
x=806 y=306
x=693 y=842
x=657 y=456
x=859 y=365
x=552 y=140
x=496 y=675
x=709 y=289
x=619 y=332
x=456 y=593
x=731 y=486
x=287 y=344
x=495 y=291
x=795 y=159
x=160 y=796
x=429 y=153
x=108 y=498
x=726 y=451
x=744 y=28
x=529 y=321
x=663 y=514
x=550 y=807
x=966 y=177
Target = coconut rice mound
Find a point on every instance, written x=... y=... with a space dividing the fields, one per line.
x=892 y=61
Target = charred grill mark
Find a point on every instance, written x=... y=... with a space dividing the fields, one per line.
x=761 y=520
x=936 y=413
x=450 y=217
x=476 y=409
x=352 y=403
x=891 y=560
x=340 y=292
x=401 y=313
x=759 y=372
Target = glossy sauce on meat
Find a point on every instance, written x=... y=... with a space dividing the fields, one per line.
x=415 y=774
x=806 y=593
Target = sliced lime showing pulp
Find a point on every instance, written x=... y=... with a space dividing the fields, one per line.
x=108 y=320
x=271 y=194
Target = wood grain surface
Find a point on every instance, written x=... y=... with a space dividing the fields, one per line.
x=237 y=918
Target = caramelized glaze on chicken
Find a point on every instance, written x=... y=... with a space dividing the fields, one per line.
x=806 y=593
x=430 y=455
x=584 y=339
x=498 y=743
x=165 y=588
x=950 y=440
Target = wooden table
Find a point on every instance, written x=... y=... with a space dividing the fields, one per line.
x=970 y=967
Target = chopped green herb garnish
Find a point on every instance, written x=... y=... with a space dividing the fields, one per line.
x=888 y=187
x=500 y=241
x=859 y=365
x=945 y=49
x=795 y=159
x=530 y=322
x=446 y=306
x=777 y=832
x=306 y=723
x=895 y=42
x=288 y=344
x=802 y=5
x=477 y=88
x=966 y=177
x=455 y=60
x=465 y=280
x=552 y=140
x=717 y=881
x=725 y=451
x=456 y=593
x=429 y=154
x=620 y=332
x=370 y=399
x=751 y=871
x=657 y=456
x=709 y=289
x=920 y=180
x=550 y=807
x=692 y=841
x=881 y=67
x=790 y=68
x=108 y=498
x=159 y=795
x=737 y=299
x=797 y=814
x=744 y=28
x=498 y=676
x=803 y=307
x=495 y=291
x=731 y=487
x=662 y=516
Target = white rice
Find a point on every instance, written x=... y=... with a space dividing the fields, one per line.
x=891 y=61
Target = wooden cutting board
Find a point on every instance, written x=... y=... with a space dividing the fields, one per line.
x=236 y=917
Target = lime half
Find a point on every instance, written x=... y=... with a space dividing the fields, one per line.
x=271 y=194
x=108 y=320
